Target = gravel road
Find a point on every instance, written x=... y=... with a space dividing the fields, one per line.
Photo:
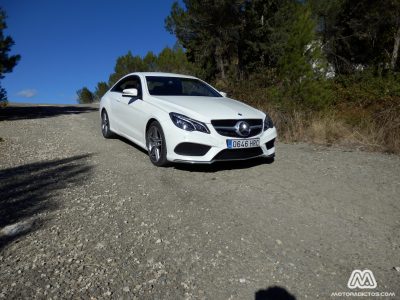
x=84 y=217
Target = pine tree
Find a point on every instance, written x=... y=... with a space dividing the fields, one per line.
x=360 y=34
x=126 y=64
x=301 y=64
x=85 y=96
x=101 y=88
x=210 y=32
x=7 y=62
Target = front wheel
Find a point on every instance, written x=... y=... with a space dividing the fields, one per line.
x=105 y=125
x=156 y=145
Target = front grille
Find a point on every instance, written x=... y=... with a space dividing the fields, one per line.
x=228 y=154
x=227 y=127
x=191 y=149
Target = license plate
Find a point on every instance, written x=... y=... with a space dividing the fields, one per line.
x=234 y=144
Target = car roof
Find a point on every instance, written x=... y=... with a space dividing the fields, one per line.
x=162 y=74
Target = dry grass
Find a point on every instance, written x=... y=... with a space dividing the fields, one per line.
x=332 y=128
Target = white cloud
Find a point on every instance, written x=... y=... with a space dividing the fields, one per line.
x=28 y=93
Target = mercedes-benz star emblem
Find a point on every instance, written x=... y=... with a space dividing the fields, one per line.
x=242 y=128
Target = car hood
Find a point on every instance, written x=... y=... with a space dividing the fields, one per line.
x=205 y=109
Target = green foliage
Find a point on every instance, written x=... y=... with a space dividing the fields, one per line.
x=262 y=37
x=151 y=61
x=301 y=65
x=7 y=62
x=101 y=88
x=369 y=89
x=174 y=61
x=296 y=53
x=359 y=33
x=169 y=60
x=210 y=32
x=231 y=40
x=3 y=97
x=85 y=96
x=127 y=64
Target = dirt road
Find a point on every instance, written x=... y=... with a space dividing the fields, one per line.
x=81 y=216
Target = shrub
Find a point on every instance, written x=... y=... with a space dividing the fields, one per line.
x=361 y=110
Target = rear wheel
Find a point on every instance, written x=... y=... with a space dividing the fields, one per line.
x=156 y=146
x=105 y=125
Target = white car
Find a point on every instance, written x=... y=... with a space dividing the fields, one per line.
x=179 y=118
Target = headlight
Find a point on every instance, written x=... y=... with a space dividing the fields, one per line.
x=188 y=124
x=268 y=123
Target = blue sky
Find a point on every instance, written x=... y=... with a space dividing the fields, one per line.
x=66 y=45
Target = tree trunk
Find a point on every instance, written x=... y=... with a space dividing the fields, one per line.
x=220 y=64
x=395 y=48
x=219 y=56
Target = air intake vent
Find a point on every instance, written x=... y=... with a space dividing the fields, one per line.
x=191 y=149
x=228 y=154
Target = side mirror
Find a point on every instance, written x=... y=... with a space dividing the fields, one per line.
x=129 y=93
x=223 y=94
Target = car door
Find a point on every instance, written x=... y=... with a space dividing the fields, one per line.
x=128 y=111
x=116 y=107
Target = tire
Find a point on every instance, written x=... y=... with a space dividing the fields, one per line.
x=105 y=126
x=156 y=146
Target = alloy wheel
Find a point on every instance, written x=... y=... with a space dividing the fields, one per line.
x=104 y=123
x=154 y=143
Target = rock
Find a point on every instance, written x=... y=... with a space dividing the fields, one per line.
x=397 y=269
x=126 y=289
x=100 y=245
x=15 y=229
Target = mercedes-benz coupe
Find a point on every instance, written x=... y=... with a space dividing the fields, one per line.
x=179 y=118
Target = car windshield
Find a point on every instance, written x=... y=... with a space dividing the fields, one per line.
x=177 y=86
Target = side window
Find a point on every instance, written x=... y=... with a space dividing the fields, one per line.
x=130 y=82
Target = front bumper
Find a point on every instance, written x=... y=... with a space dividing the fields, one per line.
x=217 y=143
